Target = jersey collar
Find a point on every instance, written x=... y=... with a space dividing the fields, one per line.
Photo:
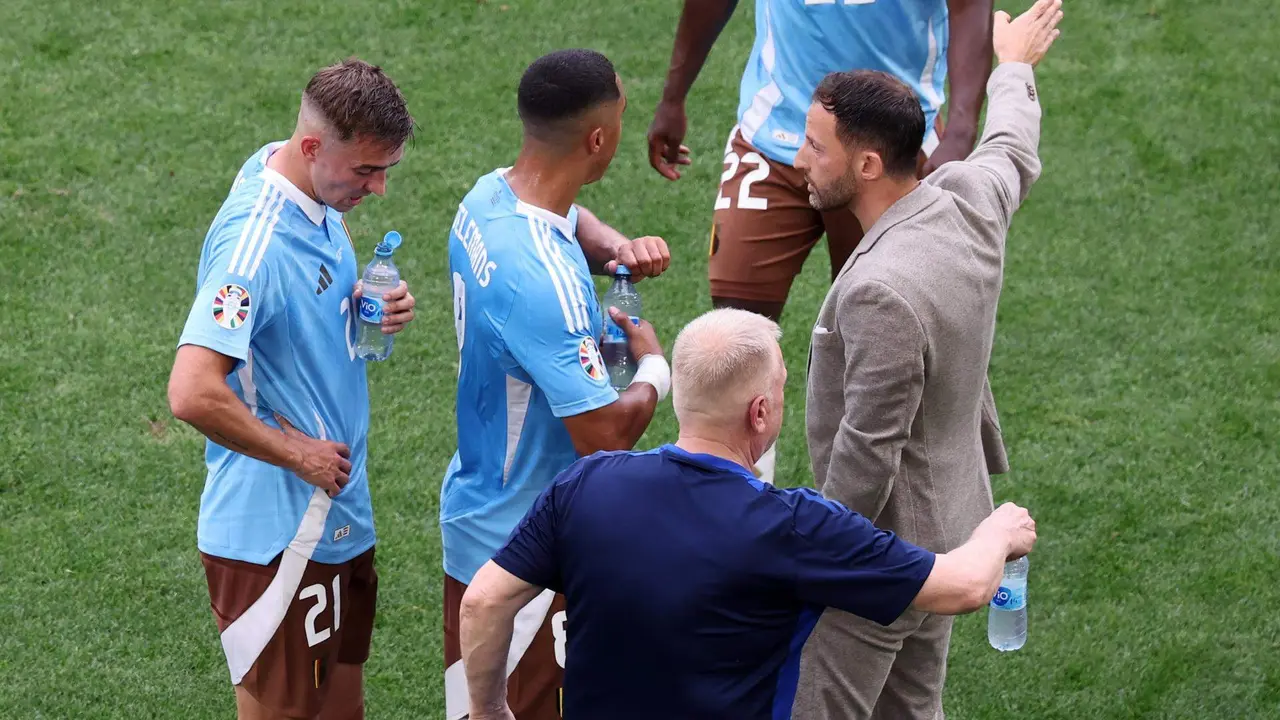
x=314 y=210
x=706 y=462
x=559 y=222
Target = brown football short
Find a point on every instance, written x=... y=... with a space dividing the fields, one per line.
x=285 y=624
x=764 y=228
x=534 y=688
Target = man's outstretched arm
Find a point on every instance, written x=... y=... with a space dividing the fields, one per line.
x=1010 y=141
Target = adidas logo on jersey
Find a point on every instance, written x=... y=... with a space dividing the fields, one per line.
x=325 y=279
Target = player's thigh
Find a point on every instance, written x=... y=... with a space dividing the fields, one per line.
x=763 y=228
x=345 y=700
x=282 y=628
x=845 y=663
x=535 y=689
x=913 y=690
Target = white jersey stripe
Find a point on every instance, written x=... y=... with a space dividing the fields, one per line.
x=575 y=281
x=266 y=238
x=555 y=280
x=249 y=389
x=245 y=638
x=770 y=95
x=549 y=245
x=273 y=207
x=517 y=410
x=930 y=63
x=244 y=233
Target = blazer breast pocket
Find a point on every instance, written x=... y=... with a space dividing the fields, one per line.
x=825 y=365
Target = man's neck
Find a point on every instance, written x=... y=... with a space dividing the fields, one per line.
x=545 y=180
x=695 y=443
x=874 y=201
x=288 y=161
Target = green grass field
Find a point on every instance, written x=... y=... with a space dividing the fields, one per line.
x=1135 y=363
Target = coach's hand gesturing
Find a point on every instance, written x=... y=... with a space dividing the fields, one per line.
x=1027 y=37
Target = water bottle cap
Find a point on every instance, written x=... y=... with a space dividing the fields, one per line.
x=622 y=270
x=389 y=243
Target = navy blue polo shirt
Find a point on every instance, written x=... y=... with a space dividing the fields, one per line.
x=691 y=586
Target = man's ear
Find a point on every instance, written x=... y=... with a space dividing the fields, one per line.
x=310 y=147
x=870 y=165
x=595 y=141
x=757 y=413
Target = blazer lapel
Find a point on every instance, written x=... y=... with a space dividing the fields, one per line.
x=907 y=207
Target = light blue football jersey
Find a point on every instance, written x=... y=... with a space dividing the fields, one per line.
x=799 y=41
x=527 y=320
x=274 y=292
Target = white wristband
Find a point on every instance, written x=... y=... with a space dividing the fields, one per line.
x=654 y=370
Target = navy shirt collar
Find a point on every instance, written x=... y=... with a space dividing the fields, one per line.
x=706 y=461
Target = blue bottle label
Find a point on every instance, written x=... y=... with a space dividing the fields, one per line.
x=1010 y=597
x=370 y=309
x=614 y=333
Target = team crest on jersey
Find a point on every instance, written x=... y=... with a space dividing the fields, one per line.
x=590 y=360
x=231 y=306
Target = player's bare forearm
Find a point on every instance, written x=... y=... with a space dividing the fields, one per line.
x=486 y=621
x=199 y=396
x=599 y=241
x=700 y=24
x=963 y=580
x=485 y=637
x=616 y=426
x=969 y=65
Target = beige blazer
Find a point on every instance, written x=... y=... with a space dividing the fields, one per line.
x=901 y=423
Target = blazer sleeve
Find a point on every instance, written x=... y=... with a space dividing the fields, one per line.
x=992 y=438
x=884 y=348
x=999 y=173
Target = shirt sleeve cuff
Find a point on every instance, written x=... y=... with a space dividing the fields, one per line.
x=215 y=344
x=910 y=590
x=606 y=396
x=509 y=562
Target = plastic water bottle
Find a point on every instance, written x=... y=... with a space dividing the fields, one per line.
x=1007 y=616
x=380 y=277
x=617 y=357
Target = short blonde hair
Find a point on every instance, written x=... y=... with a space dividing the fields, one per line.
x=721 y=361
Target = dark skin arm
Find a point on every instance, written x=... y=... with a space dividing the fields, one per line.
x=969 y=65
x=616 y=426
x=700 y=24
x=606 y=248
x=619 y=425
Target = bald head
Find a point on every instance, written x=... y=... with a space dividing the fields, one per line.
x=721 y=363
